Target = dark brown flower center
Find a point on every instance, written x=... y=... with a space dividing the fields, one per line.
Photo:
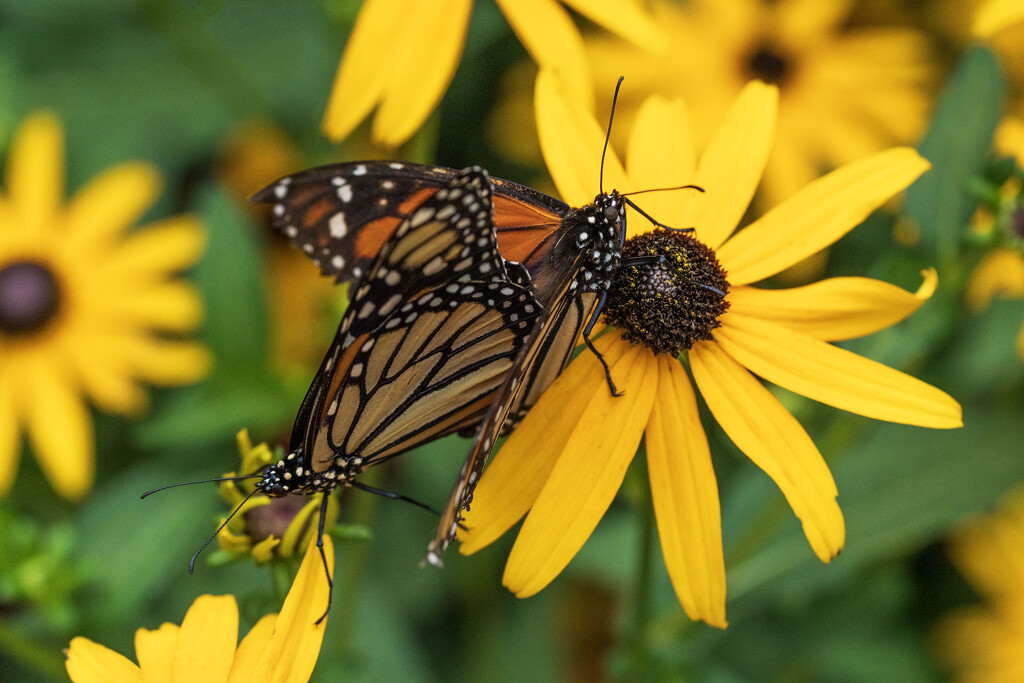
x=669 y=293
x=273 y=518
x=768 y=63
x=29 y=297
x=1017 y=222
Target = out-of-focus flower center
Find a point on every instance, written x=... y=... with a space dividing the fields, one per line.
x=1017 y=222
x=673 y=298
x=766 y=62
x=29 y=297
x=273 y=518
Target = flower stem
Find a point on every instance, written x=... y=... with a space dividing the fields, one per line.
x=29 y=654
x=640 y=656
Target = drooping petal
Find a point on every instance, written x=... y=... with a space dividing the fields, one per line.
x=548 y=33
x=773 y=439
x=247 y=657
x=660 y=154
x=571 y=141
x=818 y=215
x=111 y=203
x=833 y=309
x=89 y=662
x=60 y=430
x=365 y=66
x=835 y=376
x=586 y=477
x=10 y=432
x=514 y=479
x=155 y=651
x=427 y=45
x=626 y=19
x=35 y=172
x=731 y=166
x=292 y=651
x=685 y=495
x=995 y=15
x=207 y=640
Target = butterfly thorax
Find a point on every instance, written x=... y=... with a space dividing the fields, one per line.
x=597 y=230
x=292 y=475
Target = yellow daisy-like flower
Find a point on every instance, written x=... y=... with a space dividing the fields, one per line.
x=279 y=648
x=995 y=15
x=268 y=527
x=844 y=94
x=984 y=643
x=402 y=55
x=81 y=299
x=566 y=460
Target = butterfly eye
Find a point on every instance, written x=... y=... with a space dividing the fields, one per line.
x=611 y=212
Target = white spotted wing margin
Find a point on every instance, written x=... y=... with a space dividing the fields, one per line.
x=433 y=327
x=563 y=319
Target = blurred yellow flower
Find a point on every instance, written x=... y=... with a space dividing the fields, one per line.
x=984 y=643
x=266 y=527
x=843 y=94
x=279 y=648
x=995 y=15
x=566 y=460
x=402 y=55
x=86 y=305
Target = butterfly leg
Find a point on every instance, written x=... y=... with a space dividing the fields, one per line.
x=323 y=555
x=590 y=344
x=391 y=495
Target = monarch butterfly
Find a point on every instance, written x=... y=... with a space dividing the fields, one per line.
x=554 y=270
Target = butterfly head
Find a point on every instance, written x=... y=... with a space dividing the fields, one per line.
x=600 y=228
x=292 y=474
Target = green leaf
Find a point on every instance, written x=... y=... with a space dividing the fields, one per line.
x=957 y=144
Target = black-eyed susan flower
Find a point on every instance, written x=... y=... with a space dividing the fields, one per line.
x=279 y=648
x=983 y=643
x=86 y=305
x=402 y=54
x=843 y=94
x=565 y=462
x=265 y=527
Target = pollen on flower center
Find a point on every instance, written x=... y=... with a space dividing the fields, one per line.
x=30 y=297
x=767 y=63
x=673 y=297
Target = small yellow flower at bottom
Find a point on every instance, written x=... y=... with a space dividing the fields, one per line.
x=279 y=647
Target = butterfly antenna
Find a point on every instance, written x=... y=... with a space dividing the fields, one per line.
x=663 y=189
x=192 y=562
x=200 y=481
x=608 y=135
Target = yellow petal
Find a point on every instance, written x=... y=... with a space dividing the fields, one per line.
x=833 y=309
x=548 y=33
x=586 y=477
x=251 y=648
x=111 y=203
x=835 y=376
x=155 y=652
x=1020 y=343
x=170 y=306
x=206 y=642
x=773 y=439
x=514 y=479
x=292 y=650
x=803 y=22
x=365 y=66
x=10 y=432
x=731 y=166
x=624 y=18
x=160 y=249
x=61 y=432
x=162 y=361
x=1000 y=273
x=89 y=662
x=427 y=50
x=35 y=171
x=571 y=141
x=818 y=215
x=660 y=154
x=995 y=15
x=685 y=495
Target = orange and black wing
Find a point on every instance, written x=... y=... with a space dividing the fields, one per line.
x=431 y=331
x=341 y=215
